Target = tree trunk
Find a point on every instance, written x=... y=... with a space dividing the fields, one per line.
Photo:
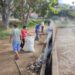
x=22 y=11
x=5 y=17
x=5 y=13
x=27 y=16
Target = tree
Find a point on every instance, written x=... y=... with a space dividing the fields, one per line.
x=24 y=7
x=39 y=6
x=5 y=9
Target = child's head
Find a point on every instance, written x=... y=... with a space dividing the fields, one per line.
x=15 y=26
x=24 y=27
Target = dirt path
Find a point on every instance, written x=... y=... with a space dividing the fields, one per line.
x=65 y=47
x=7 y=63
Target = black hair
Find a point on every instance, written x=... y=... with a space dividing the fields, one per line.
x=15 y=26
x=24 y=27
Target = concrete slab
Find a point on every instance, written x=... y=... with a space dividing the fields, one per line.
x=64 y=52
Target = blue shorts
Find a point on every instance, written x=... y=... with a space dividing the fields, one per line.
x=16 y=46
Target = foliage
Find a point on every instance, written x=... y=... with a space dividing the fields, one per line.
x=53 y=10
x=39 y=6
x=32 y=23
x=71 y=13
x=4 y=33
x=22 y=8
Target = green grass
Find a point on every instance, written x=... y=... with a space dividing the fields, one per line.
x=4 y=34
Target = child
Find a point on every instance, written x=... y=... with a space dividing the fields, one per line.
x=16 y=39
x=37 y=31
x=23 y=34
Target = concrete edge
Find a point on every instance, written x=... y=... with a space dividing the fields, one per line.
x=55 y=68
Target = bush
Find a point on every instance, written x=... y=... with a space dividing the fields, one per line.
x=32 y=23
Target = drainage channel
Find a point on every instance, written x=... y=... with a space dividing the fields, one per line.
x=48 y=68
x=49 y=61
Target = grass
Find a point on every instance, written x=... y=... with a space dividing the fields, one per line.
x=4 y=34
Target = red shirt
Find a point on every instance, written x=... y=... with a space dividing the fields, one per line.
x=23 y=33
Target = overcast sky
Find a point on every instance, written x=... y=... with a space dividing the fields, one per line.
x=66 y=1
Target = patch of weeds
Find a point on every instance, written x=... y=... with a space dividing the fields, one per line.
x=4 y=34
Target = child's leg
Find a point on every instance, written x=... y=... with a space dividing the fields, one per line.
x=42 y=29
x=37 y=37
x=22 y=44
x=16 y=55
x=15 y=49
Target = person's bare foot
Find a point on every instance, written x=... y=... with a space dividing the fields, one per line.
x=16 y=57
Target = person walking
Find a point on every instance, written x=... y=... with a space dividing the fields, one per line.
x=23 y=34
x=15 y=39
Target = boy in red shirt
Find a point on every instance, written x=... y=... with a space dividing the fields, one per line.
x=23 y=34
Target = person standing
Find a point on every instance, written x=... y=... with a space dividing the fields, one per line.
x=15 y=38
x=23 y=34
x=37 y=31
x=49 y=28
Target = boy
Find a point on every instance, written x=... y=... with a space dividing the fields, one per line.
x=23 y=35
x=16 y=39
x=37 y=31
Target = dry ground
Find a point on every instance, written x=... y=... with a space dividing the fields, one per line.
x=7 y=62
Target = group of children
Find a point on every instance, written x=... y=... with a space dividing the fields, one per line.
x=18 y=37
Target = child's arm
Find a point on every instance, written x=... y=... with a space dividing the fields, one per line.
x=10 y=38
x=21 y=35
x=11 y=35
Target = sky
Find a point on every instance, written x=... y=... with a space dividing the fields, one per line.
x=66 y=1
